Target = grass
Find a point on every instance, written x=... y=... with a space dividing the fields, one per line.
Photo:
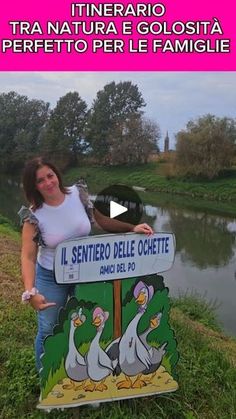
x=197 y=309
x=151 y=176
x=206 y=370
x=7 y=229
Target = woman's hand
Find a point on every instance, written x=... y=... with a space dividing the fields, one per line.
x=143 y=228
x=39 y=302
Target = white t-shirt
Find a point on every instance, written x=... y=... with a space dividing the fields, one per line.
x=65 y=221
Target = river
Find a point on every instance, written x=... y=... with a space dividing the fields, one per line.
x=205 y=248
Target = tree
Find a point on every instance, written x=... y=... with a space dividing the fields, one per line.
x=28 y=139
x=21 y=124
x=64 y=136
x=132 y=141
x=206 y=147
x=112 y=106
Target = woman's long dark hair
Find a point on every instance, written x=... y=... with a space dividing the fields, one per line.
x=33 y=196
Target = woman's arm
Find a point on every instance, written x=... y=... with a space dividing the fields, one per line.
x=28 y=262
x=28 y=255
x=116 y=226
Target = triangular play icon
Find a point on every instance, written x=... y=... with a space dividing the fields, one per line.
x=116 y=209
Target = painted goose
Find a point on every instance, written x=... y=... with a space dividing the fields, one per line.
x=75 y=364
x=98 y=362
x=156 y=354
x=112 y=349
x=134 y=357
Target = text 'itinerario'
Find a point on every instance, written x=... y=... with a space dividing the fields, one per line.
x=116 y=28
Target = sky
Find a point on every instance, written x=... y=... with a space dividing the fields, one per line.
x=172 y=98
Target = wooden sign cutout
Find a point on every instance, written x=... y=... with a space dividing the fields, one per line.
x=112 y=341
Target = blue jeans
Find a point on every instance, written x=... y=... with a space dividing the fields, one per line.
x=53 y=292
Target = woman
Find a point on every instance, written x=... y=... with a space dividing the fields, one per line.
x=56 y=214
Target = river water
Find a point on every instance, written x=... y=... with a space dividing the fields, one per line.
x=205 y=261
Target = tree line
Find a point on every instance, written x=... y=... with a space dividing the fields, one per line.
x=113 y=131
x=206 y=147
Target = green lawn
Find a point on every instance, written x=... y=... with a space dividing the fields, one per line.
x=206 y=369
x=151 y=176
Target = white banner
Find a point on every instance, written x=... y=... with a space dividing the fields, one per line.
x=113 y=256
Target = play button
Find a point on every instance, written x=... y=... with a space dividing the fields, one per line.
x=120 y=202
x=116 y=209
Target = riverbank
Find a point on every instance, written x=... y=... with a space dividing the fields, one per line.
x=206 y=369
x=151 y=177
x=215 y=197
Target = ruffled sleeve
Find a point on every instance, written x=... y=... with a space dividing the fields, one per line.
x=84 y=196
x=26 y=214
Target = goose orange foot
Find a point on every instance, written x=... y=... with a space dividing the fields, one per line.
x=90 y=387
x=69 y=386
x=149 y=379
x=138 y=383
x=101 y=387
x=127 y=383
x=80 y=386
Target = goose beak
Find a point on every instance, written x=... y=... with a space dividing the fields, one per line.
x=141 y=299
x=96 y=322
x=77 y=322
x=154 y=322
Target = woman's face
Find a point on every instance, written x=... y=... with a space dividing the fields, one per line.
x=47 y=182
